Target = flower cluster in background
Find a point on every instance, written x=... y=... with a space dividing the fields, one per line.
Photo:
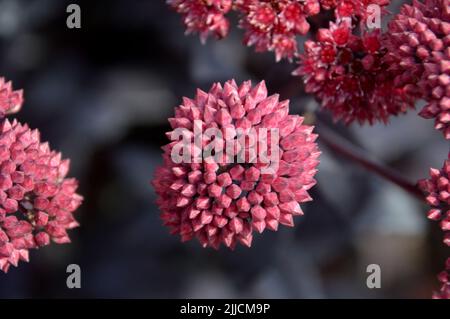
x=36 y=198
x=419 y=51
x=350 y=77
x=204 y=17
x=225 y=202
x=355 y=71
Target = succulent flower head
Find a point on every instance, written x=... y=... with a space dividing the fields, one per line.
x=36 y=198
x=223 y=199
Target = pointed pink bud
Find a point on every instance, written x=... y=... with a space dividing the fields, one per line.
x=252 y=174
x=272 y=224
x=247 y=186
x=243 y=205
x=254 y=198
x=202 y=202
x=259 y=92
x=220 y=221
x=214 y=190
x=236 y=225
x=287 y=220
x=42 y=239
x=206 y=217
x=182 y=201
x=223 y=117
x=292 y=208
x=209 y=177
x=224 y=201
x=193 y=213
x=234 y=191
x=259 y=225
x=271 y=199
x=237 y=172
x=188 y=190
x=258 y=213
x=224 y=179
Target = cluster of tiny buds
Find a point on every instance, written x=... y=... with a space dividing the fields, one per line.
x=37 y=201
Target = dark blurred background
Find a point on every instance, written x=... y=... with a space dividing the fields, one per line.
x=102 y=95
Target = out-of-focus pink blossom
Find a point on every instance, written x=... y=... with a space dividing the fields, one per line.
x=204 y=17
x=274 y=25
x=348 y=75
x=225 y=202
x=36 y=198
x=419 y=44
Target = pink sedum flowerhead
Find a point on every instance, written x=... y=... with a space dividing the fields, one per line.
x=225 y=202
x=274 y=25
x=10 y=101
x=348 y=76
x=36 y=198
x=419 y=42
x=204 y=17
x=444 y=279
x=437 y=191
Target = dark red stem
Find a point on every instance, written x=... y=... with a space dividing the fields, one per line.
x=344 y=148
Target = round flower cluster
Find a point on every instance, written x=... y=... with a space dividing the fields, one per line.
x=348 y=75
x=36 y=198
x=437 y=190
x=222 y=201
x=269 y=25
x=419 y=46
